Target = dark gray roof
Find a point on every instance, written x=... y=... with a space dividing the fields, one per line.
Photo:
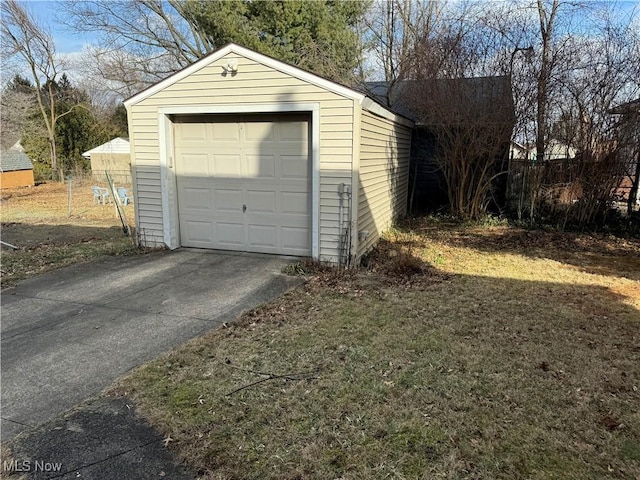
x=487 y=97
x=13 y=160
x=627 y=108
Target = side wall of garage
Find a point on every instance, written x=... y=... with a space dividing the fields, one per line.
x=16 y=178
x=252 y=84
x=384 y=176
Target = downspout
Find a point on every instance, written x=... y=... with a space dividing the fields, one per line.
x=344 y=236
x=340 y=221
x=349 y=226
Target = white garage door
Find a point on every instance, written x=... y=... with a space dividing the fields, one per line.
x=244 y=182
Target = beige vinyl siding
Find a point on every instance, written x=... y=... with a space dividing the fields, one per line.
x=383 y=176
x=117 y=164
x=254 y=83
x=148 y=205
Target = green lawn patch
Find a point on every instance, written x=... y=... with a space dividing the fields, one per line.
x=438 y=361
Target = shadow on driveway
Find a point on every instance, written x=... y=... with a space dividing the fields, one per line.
x=69 y=334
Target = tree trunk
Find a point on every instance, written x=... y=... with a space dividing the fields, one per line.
x=546 y=32
x=635 y=184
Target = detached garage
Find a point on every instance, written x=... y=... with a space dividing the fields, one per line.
x=243 y=152
x=113 y=157
x=16 y=169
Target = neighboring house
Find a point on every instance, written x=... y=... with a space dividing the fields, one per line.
x=240 y=151
x=629 y=133
x=113 y=157
x=556 y=150
x=17 y=147
x=517 y=151
x=16 y=169
x=484 y=101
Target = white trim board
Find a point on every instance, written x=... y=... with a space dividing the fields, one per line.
x=380 y=111
x=169 y=227
x=117 y=145
x=251 y=55
x=170 y=222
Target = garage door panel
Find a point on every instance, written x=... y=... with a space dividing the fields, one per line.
x=197 y=198
x=262 y=235
x=295 y=166
x=294 y=132
x=264 y=165
x=230 y=234
x=226 y=165
x=261 y=201
x=294 y=203
x=227 y=200
x=198 y=231
x=195 y=164
x=225 y=131
x=295 y=238
x=260 y=166
x=197 y=132
x=260 y=132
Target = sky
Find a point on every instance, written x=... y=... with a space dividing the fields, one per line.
x=67 y=42
x=69 y=45
x=46 y=11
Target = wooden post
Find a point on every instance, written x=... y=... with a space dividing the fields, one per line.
x=69 y=178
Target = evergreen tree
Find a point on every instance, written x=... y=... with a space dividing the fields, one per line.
x=319 y=36
x=155 y=39
x=78 y=129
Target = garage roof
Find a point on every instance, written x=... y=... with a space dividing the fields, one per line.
x=366 y=102
x=117 y=145
x=13 y=160
x=488 y=98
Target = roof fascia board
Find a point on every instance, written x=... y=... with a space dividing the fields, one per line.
x=251 y=55
x=102 y=149
x=297 y=72
x=379 y=110
x=366 y=102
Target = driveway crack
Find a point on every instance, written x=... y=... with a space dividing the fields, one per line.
x=5 y=419
x=110 y=457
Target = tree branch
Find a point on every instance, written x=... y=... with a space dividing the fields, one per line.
x=272 y=376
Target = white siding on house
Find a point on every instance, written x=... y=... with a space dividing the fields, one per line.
x=383 y=176
x=254 y=83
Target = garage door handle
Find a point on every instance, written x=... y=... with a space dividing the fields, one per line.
x=244 y=208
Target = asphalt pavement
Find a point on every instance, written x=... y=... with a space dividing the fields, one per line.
x=69 y=334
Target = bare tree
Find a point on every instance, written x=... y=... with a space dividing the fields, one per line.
x=430 y=53
x=23 y=38
x=391 y=31
x=471 y=121
x=140 y=42
x=583 y=60
x=547 y=18
x=602 y=74
x=150 y=28
x=113 y=74
x=17 y=100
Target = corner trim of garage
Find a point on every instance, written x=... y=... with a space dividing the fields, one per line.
x=167 y=177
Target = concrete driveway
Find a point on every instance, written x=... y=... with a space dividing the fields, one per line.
x=68 y=334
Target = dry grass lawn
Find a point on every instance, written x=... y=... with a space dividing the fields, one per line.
x=459 y=353
x=37 y=221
